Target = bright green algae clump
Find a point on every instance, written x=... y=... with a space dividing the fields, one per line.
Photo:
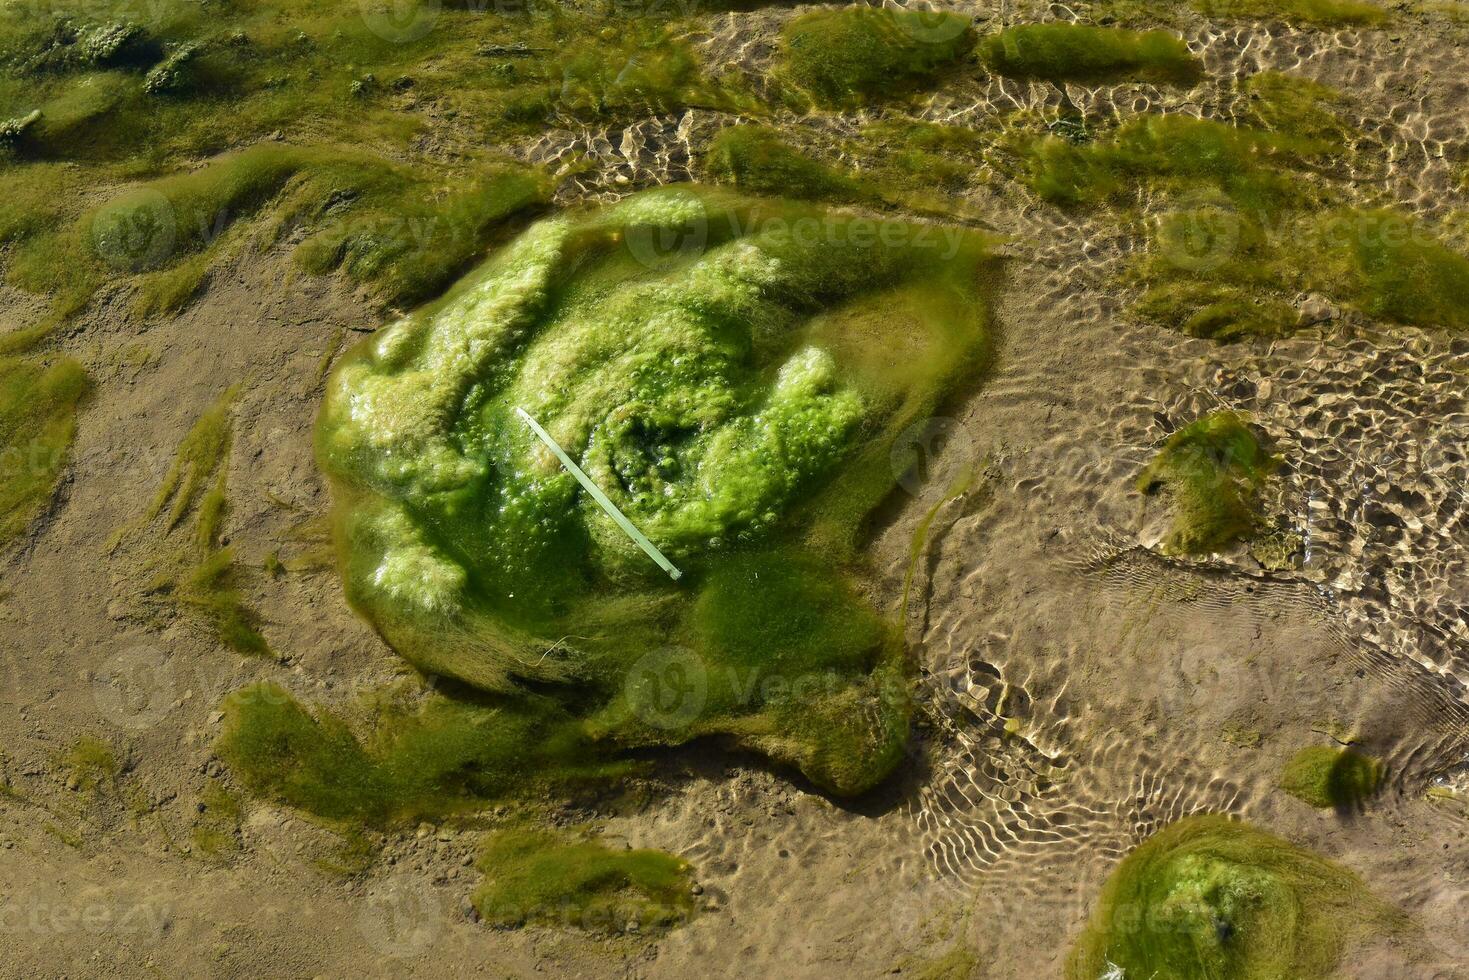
x=550 y=878
x=1213 y=469
x=853 y=55
x=1074 y=52
x=1211 y=898
x=732 y=373
x=1327 y=777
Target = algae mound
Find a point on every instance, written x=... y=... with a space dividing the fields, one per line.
x=1076 y=52
x=545 y=877
x=849 y=56
x=733 y=373
x=1327 y=777
x=1208 y=897
x=1213 y=469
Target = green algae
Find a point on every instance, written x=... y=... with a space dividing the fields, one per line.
x=1213 y=470
x=1211 y=897
x=1318 y=13
x=1250 y=166
x=91 y=766
x=1076 y=52
x=38 y=410
x=902 y=153
x=1390 y=266
x=215 y=834
x=1254 y=221
x=734 y=397
x=854 y=55
x=196 y=575
x=545 y=877
x=303 y=94
x=1331 y=778
x=411 y=761
x=761 y=160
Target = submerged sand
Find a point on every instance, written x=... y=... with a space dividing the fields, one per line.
x=1081 y=690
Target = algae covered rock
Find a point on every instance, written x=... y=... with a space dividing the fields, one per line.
x=1213 y=470
x=1214 y=899
x=732 y=373
x=1327 y=777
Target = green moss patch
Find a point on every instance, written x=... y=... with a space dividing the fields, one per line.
x=544 y=877
x=1319 y=13
x=1327 y=777
x=91 y=766
x=731 y=372
x=187 y=569
x=1213 y=470
x=1075 y=52
x=1254 y=223
x=1210 y=897
x=854 y=55
x=316 y=112
x=761 y=160
x=38 y=409
x=1392 y=267
x=396 y=760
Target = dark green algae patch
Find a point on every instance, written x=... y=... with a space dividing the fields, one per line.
x=1209 y=897
x=732 y=372
x=1078 y=52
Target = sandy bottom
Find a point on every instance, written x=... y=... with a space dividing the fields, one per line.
x=1081 y=691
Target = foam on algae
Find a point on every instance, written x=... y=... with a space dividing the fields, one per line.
x=733 y=373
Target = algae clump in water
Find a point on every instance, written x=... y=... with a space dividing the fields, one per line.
x=1326 y=777
x=732 y=373
x=853 y=55
x=1208 y=897
x=1213 y=469
x=547 y=877
x=1076 y=52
